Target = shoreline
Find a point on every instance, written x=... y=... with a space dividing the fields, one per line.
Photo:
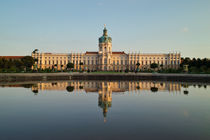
x=10 y=77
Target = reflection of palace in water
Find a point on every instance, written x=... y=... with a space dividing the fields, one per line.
x=105 y=89
x=114 y=86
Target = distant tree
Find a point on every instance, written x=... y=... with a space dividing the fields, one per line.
x=81 y=64
x=28 y=62
x=61 y=67
x=137 y=64
x=126 y=70
x=153 y=65
x=70 y=65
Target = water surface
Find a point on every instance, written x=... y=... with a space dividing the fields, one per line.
x=104 y=110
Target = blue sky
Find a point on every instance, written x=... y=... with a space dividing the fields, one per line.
x=148 y=26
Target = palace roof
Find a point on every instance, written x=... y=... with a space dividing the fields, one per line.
x=91 y=53
x=12 y=57
x=118 y=52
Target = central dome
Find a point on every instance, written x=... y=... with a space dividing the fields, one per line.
x=105 y=38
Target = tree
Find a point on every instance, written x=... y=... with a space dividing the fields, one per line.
x=137 y=64
x=62 y=68
x=55 y=67
x=80 y=64
x=28 y=62
x=153 y=65
x=70 y=66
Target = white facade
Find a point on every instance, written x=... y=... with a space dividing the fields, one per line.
x=105 y=59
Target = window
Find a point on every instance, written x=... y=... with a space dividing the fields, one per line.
x=105 y=61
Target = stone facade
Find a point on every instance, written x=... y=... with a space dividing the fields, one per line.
x=105 y=59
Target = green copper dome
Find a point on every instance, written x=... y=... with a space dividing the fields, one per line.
x=105 y=38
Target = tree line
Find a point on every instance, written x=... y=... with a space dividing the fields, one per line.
x=196 y=65
x=16 y=65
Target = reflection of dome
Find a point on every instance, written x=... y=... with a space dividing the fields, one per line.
x=105 y=38
x=105 y=104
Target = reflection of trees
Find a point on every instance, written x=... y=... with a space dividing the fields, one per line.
x=54 y=84
x=70 y=88
x=186 y=92
x=27 y=85
x=35 y=91
x=154 y=89
x=185 y=85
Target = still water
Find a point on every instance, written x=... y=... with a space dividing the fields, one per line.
x=104 y=110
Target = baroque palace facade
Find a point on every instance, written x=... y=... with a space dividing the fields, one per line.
x=105 y=59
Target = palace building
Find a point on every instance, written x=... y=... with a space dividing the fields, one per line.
x=105 y=59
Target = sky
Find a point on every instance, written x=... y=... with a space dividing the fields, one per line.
x=145 y=26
